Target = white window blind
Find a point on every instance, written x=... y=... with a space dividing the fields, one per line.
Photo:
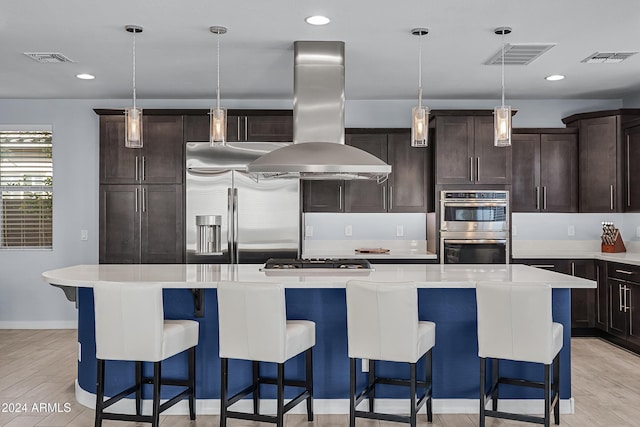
x=26 y=174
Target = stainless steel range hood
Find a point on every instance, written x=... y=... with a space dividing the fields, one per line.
x=319 y=151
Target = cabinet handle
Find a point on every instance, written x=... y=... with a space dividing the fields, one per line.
x=544 y=198
x=630 y=313
x=611 y=196
x=144 y=199
x=537 y=198
x=598 y=314
x=144 y=166
x=136 y=168
x=471 y=169
x=384 y=197
x=620 y=296
x=136 y=198
x=246 y=128
x=390 y=197
x=340 y=198
x=543 y=265
x=624 y=271
x=477 y=169
x=573 y=268
x=628 y=176
x=238 y=122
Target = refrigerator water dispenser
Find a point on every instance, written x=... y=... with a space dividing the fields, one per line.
x=208 y=230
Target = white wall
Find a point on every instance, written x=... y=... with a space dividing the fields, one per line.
x=27 y=301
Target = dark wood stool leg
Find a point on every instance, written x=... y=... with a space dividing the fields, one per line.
x=495 y=375
x=157 y=374
x=309 y=382
x=138 y=388
x=192 y=383
x=256 y=392
x=429 y=381
x=483 y=367
x=412 y=392
x=280 y=409
x=547 y=395
x=352 y=392
x=556 y=388
x=372 y=379
x=224 y=384
x=99 y=392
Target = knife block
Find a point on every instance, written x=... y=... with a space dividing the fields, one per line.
x=618 y=246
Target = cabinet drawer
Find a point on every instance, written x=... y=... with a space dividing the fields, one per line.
x=624 y=272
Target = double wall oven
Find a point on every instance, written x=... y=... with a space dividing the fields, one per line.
x=474 y=227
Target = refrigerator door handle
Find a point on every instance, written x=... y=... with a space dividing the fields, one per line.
x=235 y=226
x=230 y=224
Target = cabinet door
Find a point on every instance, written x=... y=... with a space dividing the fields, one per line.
x=454 y=150
x=162 y=219
x=598 y=166
x=196 y=128
x=632 y=178
x=633 y=310
x=602 y=304
x=367 y=196
x=492 y=164
x=559 y=172
x=583 y=300
x=235 y=128
x=617 y=316
x=323 y=196
x=162 y=161
x=268 y=128
x=118 y=165
x=525 y=176
x=407 y=185
x=120 y=224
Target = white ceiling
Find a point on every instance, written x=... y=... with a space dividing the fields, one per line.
x=176 y=53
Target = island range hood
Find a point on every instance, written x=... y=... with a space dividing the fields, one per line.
x=319 y=151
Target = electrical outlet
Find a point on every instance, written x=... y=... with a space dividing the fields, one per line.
x=514 y=230
x=637 y=231
x=365 y=365
x=399 y=230
x=84 y=235
x=348 y=230
x=308 y=231
x=571 y=230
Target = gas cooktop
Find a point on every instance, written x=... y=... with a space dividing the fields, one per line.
x=326 y=265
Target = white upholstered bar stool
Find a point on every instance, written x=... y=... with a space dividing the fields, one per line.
x=130 y=325
x=253 y=326
x=382 y=324
x=515 y=323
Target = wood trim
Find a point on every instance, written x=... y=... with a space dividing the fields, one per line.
x=376 y=130
x=604 y=113
x=545 y=130
x=437 y=113
x=192 y=112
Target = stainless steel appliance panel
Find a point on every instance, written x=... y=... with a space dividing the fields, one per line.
x=260 y=220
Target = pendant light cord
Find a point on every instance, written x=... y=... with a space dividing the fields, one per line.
x=502 y=40
x=134 y=68
x=420 y=71
x=218 y=72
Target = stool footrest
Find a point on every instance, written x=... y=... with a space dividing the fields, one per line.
x=383 y=417
x=515 y=417
x=118 y=397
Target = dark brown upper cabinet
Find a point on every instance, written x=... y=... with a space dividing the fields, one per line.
x=631 y=177
x=244 y=126
x=464 y=150
x=544 y=170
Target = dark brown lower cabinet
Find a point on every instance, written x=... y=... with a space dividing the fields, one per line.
x=602 y=300
x=624 y=303
x=583 y=310
x=141 y=224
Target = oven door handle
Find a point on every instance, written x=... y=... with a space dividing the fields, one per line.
x=474 y=205
x=474 y=241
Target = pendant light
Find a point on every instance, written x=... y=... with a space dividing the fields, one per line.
x=133 y=115
x=218 y=119
x=419 y=114
x=502 y=114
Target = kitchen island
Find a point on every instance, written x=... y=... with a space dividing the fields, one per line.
x=446 y=296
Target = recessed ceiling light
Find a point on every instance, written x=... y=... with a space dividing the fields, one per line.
x=84 y=76
x=554 y=77
x=317 y=20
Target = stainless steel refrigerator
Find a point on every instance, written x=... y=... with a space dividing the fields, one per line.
x=252 y=220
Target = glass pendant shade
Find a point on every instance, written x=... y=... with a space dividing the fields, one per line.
x=218 y=126
x=502 y=126
x=133 y=120
x=419 y=127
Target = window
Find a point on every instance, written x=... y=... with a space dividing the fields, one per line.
x=26 y=178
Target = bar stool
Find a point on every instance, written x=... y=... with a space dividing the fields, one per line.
x=253 y=326
x=382 y=324
x=130 y=325
x=515 y=323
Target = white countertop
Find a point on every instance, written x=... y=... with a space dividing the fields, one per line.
x=554 y=249
x=209 y=275
x=398 y=249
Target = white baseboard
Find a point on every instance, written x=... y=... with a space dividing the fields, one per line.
x=333 y=406
x=38 y=324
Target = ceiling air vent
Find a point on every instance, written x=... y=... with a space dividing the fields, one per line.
x=48 y=57
x=519 y=53
x=607 y=57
